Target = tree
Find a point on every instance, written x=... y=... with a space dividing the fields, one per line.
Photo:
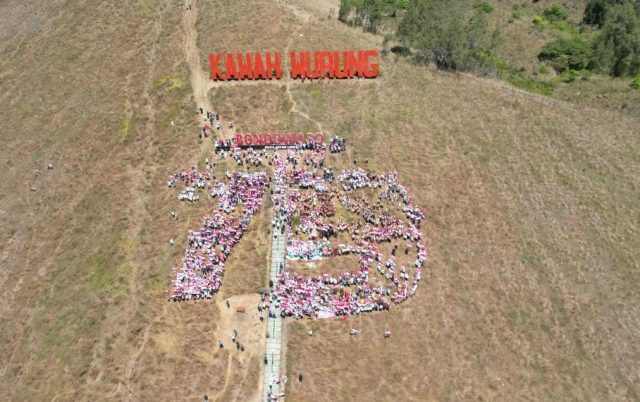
x=617 y=48
x=344 y=11
x=371 y=15
x=452 y=35
x=595 y=12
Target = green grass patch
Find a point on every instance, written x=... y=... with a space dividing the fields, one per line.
x=40 y=152
x=167 y=84
x=108 y=276
x=555 y=12
x=125 y=128
x=531 y=83
x=521 y=320
x=517 y=11
x=485 y=7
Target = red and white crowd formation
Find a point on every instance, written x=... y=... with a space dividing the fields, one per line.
x=200 y=275
x=353 y=291
x=305 y=194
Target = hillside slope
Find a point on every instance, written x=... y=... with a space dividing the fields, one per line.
x=532 y=208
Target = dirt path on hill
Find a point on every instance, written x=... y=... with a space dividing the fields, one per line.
x=289 y=81
x=251 y=331
x=199 y=77
x=202 y=83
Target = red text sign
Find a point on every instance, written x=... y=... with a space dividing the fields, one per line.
x=276 y=139
x=310 y=65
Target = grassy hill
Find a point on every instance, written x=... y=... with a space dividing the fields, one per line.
x=530 y=290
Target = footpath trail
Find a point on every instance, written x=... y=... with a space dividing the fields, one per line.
x=249 y=327
x=227 y=322
x=272 y=349
x=274 y=324
x=199 y=77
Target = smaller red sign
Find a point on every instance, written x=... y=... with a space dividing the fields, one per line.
x=277 y=139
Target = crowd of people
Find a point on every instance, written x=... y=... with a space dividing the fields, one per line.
x=308 y=250
x=305 y=194
x=211 y=120
x=200 y=275
x=221 y=145
x=353 y=291
x=190 y=178
x=337 y=145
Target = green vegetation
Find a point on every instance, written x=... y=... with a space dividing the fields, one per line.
x=564 y=54
x=594 y=14
x=530 y=83
x=555 y=12
x=569 y=75
x=452 y=36
x=456 y=36
x=635 y=84
x=617 y=48
x=614 y=49
x=539 y=21
x=369 y=13
x=517 y=11
x=125 y=127
x=485 y=6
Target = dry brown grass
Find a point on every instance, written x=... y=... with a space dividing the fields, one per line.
x=85 y=258
x=530 y=289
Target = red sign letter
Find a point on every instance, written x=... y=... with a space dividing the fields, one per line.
x=244 y=67
x=230 y=67
x=213 y=65
x=275 y=64
x=322 y=63
x=369 y=70
x=355 y=66
x=337 y=71
x=258 y=67
x=239 y=140
x=302 y=67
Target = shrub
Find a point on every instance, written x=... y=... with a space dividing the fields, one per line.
x=400 y=50
x=531 y=84
x=635 y=84
x=543 y=69
x=539 y=21
x=564 y=54
x=516 y=12
x=569 y=76
x=344 y=11
x=555 y=12
x=485 y=6
x=500 y=64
